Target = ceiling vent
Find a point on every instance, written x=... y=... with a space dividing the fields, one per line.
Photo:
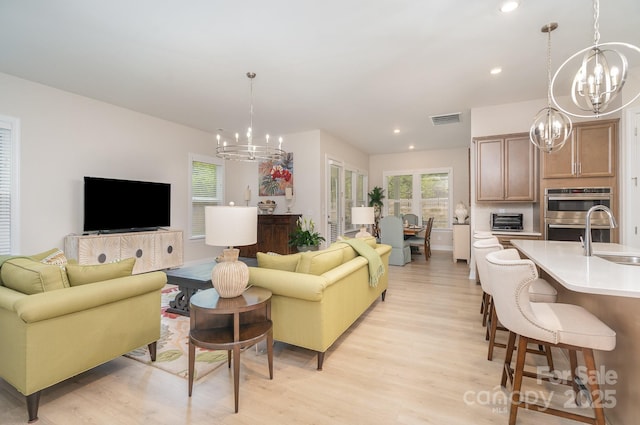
x=446 y=119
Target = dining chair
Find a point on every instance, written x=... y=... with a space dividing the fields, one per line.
x=410 y=219
x=423 y=241
x=392 y=233
x=559 y=325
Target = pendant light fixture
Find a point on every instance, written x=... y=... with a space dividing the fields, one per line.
x=248 y=150
x=600 y=77
x=551 y=128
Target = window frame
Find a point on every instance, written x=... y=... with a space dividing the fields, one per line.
x=13 y=126
x=219 y=163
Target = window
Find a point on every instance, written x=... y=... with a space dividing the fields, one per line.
x=426 y=193
x=9 y=130
x=206 y=189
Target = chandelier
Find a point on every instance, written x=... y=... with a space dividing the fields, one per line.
x=248 y=149
x=551 y=128
x=601 y=75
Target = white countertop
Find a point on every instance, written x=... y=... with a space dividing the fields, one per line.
x=566 y=263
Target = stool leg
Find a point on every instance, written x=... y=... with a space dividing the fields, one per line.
x=573 y=365
x=507 y=372
x=547 y=352
x=594 y=386
x=517 y=380
x=492 y=335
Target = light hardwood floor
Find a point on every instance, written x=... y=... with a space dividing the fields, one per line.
x=417 y=358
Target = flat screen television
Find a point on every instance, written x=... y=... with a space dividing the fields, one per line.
x=112 y=205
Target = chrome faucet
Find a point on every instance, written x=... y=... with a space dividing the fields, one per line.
x=587 y=231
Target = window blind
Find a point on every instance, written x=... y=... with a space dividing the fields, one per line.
x=205 y=191
x=6 y=168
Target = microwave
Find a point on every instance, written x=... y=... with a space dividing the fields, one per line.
x=510 y=222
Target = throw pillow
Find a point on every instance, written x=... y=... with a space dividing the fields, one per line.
x=57 y=257
x=319 y=262
x=83 y=274
x=32 y=277
x=278 y=262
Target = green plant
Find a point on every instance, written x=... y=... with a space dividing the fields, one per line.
x=305 y=234
x=376 y=196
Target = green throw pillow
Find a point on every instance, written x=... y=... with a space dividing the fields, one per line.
x=83 y=274
x=278 y=262
x=319 y=262
x=32 y=277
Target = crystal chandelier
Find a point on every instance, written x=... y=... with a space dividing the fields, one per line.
x=248 y=150
x=600 y=77
x=551 y=128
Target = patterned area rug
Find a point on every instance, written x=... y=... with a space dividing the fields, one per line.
x=173 y=347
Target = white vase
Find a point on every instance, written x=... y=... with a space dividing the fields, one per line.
x=461 y=212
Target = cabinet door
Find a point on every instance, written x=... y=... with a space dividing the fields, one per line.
x=168 y=250
x=596 y=149
x=489 y=170
x=140 y=246
x=520 y=159
x=560 y=164
x=98 y=249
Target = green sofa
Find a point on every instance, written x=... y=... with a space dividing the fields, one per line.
x=58 y=321
x=318 y=295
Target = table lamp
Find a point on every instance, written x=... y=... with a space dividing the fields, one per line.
x=363 y=216
x=230 y=226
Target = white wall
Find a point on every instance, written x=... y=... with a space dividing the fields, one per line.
x=65 y=137
x=457 y=159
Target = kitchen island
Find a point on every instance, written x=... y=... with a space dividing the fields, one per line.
x=609 y=290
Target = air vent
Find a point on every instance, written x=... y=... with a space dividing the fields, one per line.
x=445 y=119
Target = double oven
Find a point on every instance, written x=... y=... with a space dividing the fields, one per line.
x=565 y=213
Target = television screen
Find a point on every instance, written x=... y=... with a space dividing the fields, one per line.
x=112 y=205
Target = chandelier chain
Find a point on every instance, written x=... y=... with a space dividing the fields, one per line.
x=596 y=22
x=549 y=66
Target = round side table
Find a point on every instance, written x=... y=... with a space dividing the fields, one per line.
x=230 y=324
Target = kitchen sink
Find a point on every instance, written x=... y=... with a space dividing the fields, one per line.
x=632 y=260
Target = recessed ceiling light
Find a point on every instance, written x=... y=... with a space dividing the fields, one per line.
x=509 y=6
x=496 y=71
x=411 y=147
x=396 y=131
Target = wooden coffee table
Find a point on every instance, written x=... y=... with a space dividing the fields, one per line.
x=230 y=324
x=192 y=279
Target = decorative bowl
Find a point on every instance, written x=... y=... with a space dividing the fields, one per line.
x=267 y=207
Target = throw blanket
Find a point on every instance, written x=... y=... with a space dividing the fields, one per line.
x=376 y=268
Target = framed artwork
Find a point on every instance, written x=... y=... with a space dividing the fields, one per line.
x=275 y=176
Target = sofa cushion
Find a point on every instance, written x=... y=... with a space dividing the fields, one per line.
x=30 y=276
x=319 y=262
x=287 y=263
x=83 y=274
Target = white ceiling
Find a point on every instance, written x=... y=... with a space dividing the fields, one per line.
x=354 y=68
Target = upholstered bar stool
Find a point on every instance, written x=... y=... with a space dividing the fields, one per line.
x=539 y=291
x=564 y=326
x=484 y=303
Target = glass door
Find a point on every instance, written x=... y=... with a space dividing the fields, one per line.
x=335 y=208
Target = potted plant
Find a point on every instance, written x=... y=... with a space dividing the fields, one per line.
x=305 y=237
x=375 y=200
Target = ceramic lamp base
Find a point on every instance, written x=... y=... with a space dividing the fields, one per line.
x=363 y=233
x=230 y=277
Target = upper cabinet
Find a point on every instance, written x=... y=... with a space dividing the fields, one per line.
x=506 y=169
x=591 y=152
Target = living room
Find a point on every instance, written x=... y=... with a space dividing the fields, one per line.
x=64 y=136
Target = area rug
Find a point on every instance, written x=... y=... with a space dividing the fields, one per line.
x=173 y=346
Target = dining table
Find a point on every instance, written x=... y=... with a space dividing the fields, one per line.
x=412 y=231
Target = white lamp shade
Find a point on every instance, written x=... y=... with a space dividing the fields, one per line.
x=231 y=225
x=362 y=215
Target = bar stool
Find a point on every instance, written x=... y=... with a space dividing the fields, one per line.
x=484 y=302
x=564 y=326
x=539 y=291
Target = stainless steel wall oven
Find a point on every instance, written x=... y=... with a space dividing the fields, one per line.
x=565 y=212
